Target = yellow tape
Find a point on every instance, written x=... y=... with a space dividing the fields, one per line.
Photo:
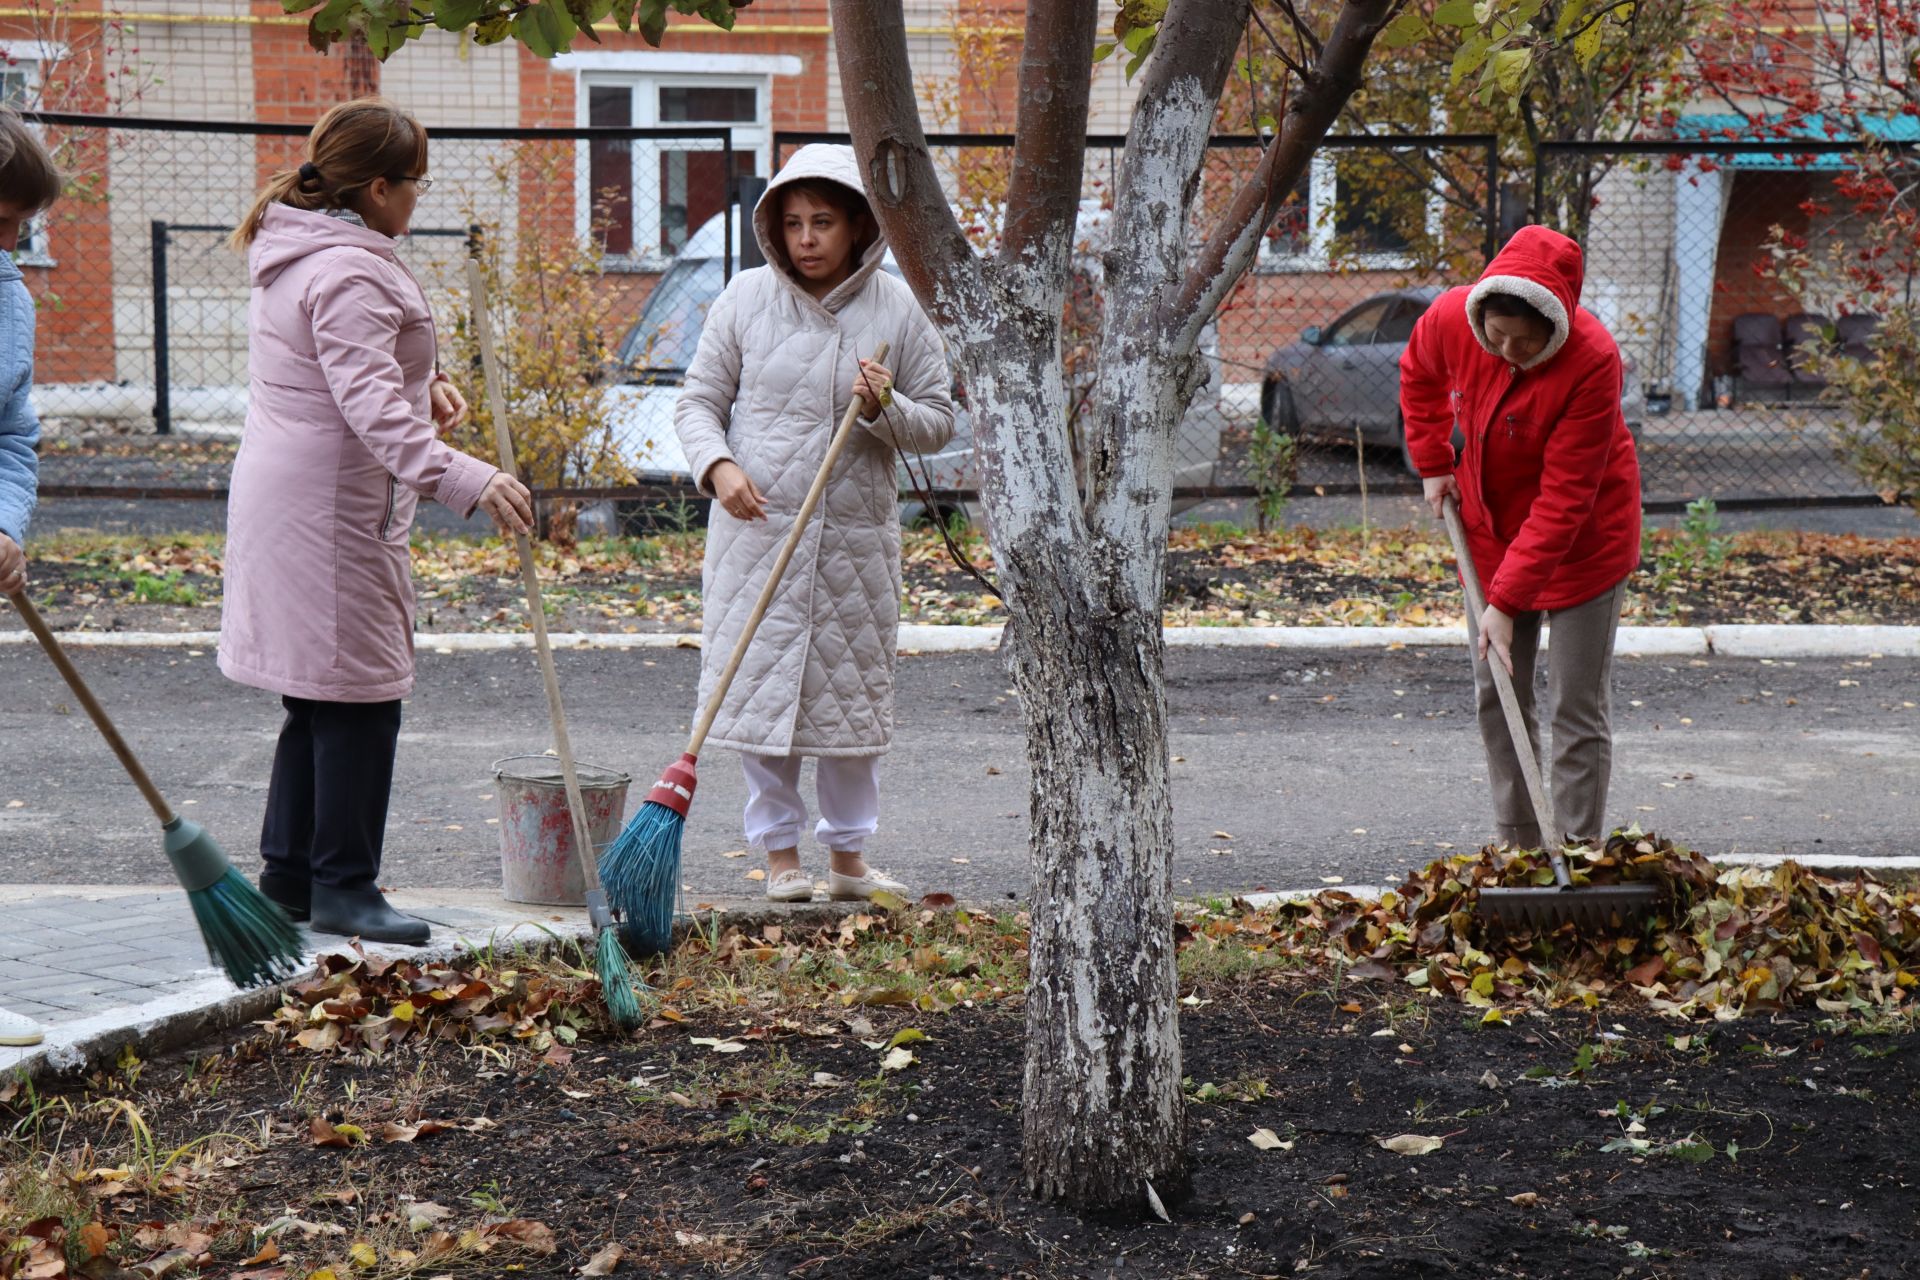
x=298 y=20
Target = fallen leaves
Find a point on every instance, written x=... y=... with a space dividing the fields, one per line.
x=1411 y=1144
x=718 y=1045
x=357 y=1002
x=605 y=1262
x=1268 y=1140
x=1723 y=942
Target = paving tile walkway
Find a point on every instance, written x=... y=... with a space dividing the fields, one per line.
x=88 y=962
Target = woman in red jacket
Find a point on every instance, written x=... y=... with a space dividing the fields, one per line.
x=1549 y=491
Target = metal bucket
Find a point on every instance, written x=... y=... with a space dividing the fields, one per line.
x=537 y=859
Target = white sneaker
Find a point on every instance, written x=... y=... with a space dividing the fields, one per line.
x=19 y=1030
x=793 y=885
x=861 y=888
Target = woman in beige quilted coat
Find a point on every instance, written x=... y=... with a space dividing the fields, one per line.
x=783 y=352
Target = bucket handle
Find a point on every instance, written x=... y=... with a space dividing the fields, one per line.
x=607 y=777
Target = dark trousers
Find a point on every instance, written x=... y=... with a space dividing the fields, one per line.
x=327 y=802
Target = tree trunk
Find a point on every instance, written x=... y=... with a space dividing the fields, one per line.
x=1105 y=1115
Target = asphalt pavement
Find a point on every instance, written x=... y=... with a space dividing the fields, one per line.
x=1289 y=767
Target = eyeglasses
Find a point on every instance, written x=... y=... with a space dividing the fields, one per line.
x=423 y=184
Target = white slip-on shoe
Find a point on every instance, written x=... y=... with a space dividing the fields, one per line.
x=18 y=1030
x=790 y=886
x=861 y=888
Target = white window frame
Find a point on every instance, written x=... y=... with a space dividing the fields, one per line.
x=1323 y=188
x=644 y=73
x=32 y=57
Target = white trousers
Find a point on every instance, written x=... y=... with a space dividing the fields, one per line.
x=848 y=788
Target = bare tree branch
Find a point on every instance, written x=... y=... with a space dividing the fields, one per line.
x=1049 y=153
x=884 y=115
x=1314 y=107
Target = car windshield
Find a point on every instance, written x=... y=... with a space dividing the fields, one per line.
x=668 y=331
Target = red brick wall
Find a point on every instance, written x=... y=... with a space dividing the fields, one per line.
x=292 y=84
x=1762 y=199
x=74 y=338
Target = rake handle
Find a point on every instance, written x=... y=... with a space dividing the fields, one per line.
x=530 y=578
x=1550 y=832
x=800 y=521
x=71 y=674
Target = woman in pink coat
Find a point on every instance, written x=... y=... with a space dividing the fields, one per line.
x=342 y=437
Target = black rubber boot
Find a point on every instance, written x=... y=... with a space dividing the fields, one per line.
x=364 y=913
x=293 y=896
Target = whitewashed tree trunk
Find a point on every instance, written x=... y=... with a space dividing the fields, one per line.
x=1104 y=1113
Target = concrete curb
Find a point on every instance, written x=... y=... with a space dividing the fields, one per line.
x=191 y=1014
x=1743 y=640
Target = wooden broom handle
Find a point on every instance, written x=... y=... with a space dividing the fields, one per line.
x=530 y=576
x=800 y=521
x=38 y=625
x=1550 y=833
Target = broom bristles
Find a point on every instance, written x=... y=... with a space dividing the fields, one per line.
x=246 y=933
x=641 y=874
x=616 y=981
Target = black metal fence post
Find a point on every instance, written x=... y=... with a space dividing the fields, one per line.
x=162 y=370
x=750 y=187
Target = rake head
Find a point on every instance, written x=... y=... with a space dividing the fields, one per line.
x=1600 y=908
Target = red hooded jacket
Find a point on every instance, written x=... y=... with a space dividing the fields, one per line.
x=1549 y=480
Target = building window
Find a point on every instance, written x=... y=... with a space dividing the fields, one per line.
x=646 y=196
x=1355 y=207
x=20 y=89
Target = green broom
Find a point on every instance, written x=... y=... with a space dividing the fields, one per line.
x=246 y=934
x=609 y=958
x=643 y=865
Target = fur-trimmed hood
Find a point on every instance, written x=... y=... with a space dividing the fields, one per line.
x=1542 y=268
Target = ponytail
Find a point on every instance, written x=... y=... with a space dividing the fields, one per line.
x=353 y=144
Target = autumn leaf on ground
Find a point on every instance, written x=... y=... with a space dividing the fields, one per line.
x=1268 y=1140
x=525 y=1232
x=605 y=1262
x=1411 y=1144
x=719 y=1046
x=326 y=1134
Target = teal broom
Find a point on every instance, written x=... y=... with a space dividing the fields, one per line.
x=609 y=959
x=642 y=868
x=247 y=935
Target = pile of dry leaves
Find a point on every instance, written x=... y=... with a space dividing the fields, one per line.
x=367 y=1002
x=1725 y=943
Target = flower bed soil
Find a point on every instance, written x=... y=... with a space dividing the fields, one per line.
x=1574 y=1144
x=1214 y=577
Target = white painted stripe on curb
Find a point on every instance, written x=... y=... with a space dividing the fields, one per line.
x=1733 y=640
x=1314 y=637
x=1817 y=861
x=1806 y=640
x=1268 y=899
x=1655 y=642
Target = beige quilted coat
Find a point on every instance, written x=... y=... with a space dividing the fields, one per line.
x=771 y=378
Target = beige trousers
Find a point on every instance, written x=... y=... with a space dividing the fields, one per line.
x=1579 y=680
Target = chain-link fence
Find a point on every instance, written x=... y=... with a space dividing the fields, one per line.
x=1304 y=355
x=602 y=247
x=141 y=370
x=1687 y=245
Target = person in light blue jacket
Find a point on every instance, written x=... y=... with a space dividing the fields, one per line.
x=29 y=182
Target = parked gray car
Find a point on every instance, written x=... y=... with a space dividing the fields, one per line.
x=1346 y=375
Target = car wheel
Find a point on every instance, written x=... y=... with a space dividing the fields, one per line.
x=1277 y=409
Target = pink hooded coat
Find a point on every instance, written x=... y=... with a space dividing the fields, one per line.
x=339 y=444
